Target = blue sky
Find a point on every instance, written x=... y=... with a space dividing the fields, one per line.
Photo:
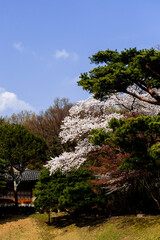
x=45 y=45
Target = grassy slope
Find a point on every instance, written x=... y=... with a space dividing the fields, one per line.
x=115 y=228
x=63 y=228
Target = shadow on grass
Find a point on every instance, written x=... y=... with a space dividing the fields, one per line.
x=91 y=221
x=9 y=214
x=80 y=221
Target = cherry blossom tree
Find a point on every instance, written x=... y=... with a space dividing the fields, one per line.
x=132 y=104
x=91 y=114
x=83 y=117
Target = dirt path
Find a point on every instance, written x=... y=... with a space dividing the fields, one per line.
x=21 y=229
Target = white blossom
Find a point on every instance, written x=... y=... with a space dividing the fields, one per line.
x=69 y=160
x=94 y=114
x=83 y=117
x=132 y=104
x=86 y=115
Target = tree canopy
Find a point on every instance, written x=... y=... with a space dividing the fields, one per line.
x=2 y=178
x=133 y=72
x=83 y=116
x=69 y=192
x=20 y=148
x=138 y=138
x=46 y=124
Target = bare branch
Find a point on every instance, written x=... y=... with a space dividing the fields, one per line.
x=142 y=98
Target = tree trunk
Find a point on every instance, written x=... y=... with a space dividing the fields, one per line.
x=16 y=194
x=49 y=216
x=147 y=186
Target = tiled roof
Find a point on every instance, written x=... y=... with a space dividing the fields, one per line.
x=30 y=175
x=27 y=175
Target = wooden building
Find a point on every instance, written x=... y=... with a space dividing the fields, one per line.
x=25 y=189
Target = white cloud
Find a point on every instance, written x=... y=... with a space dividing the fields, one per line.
x=18 y=46
x=9 y=101
x=64 y=54
x=61 y=54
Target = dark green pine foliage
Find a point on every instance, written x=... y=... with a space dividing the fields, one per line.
x=20 y=148
x=71 y=192
x=119 y=71
x=140 y=139
x=78 y=194
x=2 y=179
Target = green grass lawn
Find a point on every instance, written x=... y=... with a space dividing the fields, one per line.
x=115 y=228
x=63 y=227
